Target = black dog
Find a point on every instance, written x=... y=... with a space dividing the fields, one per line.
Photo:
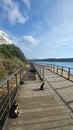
x=41 y=87
x=14 y=111
x=21 y=82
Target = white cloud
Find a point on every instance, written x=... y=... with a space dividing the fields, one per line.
x=13 y=13
x=4 y=39
x=61 y=32
x=27 y=2
x=29 y=40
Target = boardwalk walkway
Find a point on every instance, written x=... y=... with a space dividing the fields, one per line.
x=50 y=109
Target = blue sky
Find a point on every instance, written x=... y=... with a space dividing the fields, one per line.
x=41 y=28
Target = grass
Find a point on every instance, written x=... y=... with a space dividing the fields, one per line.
x=11 y=58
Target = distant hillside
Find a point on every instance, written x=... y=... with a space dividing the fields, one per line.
x=54 y=60
x=11 y=58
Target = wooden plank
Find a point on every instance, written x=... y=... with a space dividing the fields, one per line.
x=42 y=110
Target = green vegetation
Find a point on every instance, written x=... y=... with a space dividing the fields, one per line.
x=11 y=58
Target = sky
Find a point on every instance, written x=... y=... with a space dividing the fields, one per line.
x=40 y=28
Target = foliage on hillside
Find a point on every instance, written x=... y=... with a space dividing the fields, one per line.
x=10 y=51
x=11 y=58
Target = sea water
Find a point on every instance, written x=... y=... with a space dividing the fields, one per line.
x=64 y=64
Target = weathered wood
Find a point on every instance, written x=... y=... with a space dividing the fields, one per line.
x=8 y=87
x=44 y=110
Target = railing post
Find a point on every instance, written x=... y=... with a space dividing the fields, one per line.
x=43 y=73
x=36 y=67
x=48 y=67
x=20 y=75
x=62 y=71
x=69 y=73
x=40 y=71
x=9 y=99
x=53 y=68
x=16 y=80
x=57 y=69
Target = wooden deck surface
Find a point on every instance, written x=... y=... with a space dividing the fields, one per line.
x=50 y=109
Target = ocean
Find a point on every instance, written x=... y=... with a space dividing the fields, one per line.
x=64 y=64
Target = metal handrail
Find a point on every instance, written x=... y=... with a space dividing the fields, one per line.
x=8 y=92
x=4 y=81
x=60 y=70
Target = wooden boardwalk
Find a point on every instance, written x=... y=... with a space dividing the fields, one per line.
x=50 y=109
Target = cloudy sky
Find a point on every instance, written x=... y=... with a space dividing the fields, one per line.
x=41 y=28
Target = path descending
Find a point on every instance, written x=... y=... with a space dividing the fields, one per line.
x=49 y=109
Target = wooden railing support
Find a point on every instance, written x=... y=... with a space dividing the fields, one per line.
x=62 y=71
x=69 y=73
x=9 y=99
x=43 y=73
x=16 y=80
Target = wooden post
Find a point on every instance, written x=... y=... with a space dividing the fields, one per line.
x=69 y=73
x=62 y=71
x=36 y=67
x=16 y=80
x=43 y=73
x=20 y=76
x=9 y=98
x=53 y=68
x=57 y=69
x=40 y=71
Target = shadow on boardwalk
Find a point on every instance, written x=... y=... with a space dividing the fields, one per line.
x=30 y=74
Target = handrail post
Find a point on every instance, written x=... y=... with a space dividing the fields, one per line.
x=53 y=68
x=48 y=67
x=62 y=71
x=20 y=75
x=40 y=71
x=16 y=80
x=8 y=88
x=57 y=69
x=43 y=73
x=69 y=73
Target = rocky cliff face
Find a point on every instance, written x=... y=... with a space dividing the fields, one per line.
x=4 y=39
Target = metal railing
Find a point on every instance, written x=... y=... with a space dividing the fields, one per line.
x=8 y=90
x=40 y=70
x=63 y=71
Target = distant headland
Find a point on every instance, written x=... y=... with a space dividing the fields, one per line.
x=54 y=60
